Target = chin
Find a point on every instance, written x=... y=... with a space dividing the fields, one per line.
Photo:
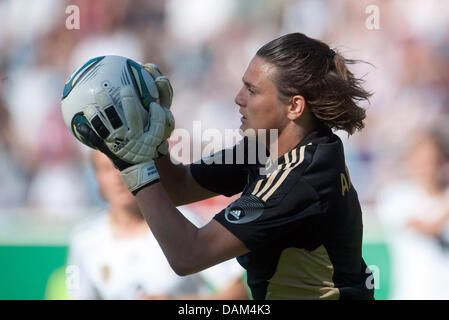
x=244 y=126
x=249 y=132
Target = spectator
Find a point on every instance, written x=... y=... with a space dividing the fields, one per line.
x=13 y=172
x=415 y=213
x=118 y=258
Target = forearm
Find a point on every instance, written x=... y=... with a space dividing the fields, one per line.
x=172 y=177
x=179 y=184
x=187 y=248
x=176 y=235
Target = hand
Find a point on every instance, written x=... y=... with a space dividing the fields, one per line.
x=130 y=148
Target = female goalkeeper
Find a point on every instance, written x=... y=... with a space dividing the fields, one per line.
x=297 y=230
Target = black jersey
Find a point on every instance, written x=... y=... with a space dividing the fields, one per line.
x=301 y=222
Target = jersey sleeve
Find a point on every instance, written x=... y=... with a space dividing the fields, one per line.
x=224 y=172
x=282 y=209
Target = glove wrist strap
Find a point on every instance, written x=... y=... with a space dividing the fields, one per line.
x=140 y=175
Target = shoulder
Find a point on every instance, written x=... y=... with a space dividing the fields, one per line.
x=314 y=161
x=320 y=150
x=324 y=151
x=325 y=170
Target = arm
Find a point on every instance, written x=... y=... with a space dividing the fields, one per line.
x=177 y=180
x=433 y=228
x=187 y=248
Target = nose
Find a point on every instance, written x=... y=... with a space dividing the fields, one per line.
x=239 y=99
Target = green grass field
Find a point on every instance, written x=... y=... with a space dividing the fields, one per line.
x=37 y=272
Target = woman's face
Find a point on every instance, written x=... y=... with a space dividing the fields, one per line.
x=425 y=159
x=110 y=182
x=258 y=98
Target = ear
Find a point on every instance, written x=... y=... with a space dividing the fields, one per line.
x=296 y=107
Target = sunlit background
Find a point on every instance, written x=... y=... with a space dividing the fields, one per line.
x=397 y=163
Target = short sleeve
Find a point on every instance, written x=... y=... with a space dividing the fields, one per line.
x=222 y=179
x=225 y=172
x=287 y=212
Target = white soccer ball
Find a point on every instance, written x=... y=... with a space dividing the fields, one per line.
x=108 y=73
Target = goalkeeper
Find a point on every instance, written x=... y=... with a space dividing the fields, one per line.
x=297 y=230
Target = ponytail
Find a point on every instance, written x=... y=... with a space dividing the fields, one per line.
x=308 y=67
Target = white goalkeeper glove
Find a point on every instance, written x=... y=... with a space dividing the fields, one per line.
x=131 y=149
x=165 y=99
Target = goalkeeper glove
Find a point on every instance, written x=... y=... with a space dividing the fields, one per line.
x=165 y=100
x=131 y=149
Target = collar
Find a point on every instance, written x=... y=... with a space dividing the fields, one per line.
x=314 y=136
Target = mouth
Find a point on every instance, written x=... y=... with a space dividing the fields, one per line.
x=243 y=117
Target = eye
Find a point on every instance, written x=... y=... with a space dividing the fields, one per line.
x=251 y=91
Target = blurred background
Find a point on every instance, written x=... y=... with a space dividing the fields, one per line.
x=398 y=163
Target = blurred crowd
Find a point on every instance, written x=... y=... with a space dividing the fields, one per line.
x=204 y=47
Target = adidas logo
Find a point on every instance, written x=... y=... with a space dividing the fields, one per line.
x=236 y=213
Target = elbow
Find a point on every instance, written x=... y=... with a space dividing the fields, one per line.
x=183 y=270
x=188 y=264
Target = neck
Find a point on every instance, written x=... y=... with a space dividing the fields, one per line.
x=126 y=221
x=289 y=137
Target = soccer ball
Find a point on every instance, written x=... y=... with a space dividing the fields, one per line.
x=108 y=73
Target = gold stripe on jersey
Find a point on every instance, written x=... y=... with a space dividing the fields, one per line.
x=258 y=184
x=284 y=175
x=260 y=181
x=272 y=176
x=268 y=183
x=312 y=281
